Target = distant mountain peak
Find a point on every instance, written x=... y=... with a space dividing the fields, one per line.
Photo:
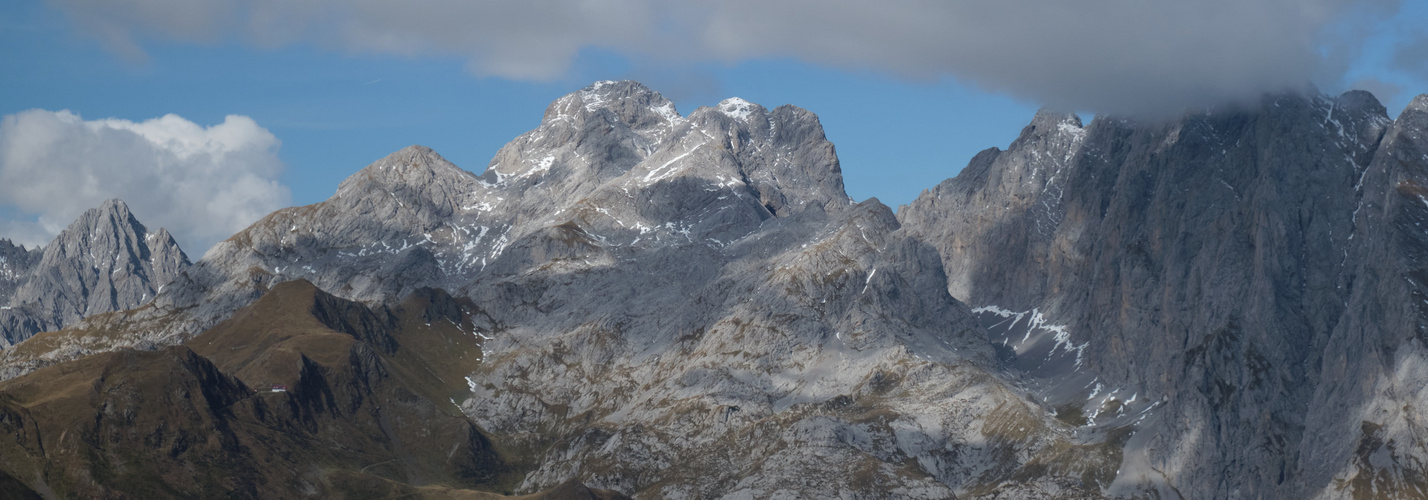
x=1356 y=100
x=106 y=260
x=414 y=178
x=626 y=102
x=1051 y=124
x=401 y=166
x=113 y=205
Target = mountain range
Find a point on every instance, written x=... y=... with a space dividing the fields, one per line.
x=632 y=301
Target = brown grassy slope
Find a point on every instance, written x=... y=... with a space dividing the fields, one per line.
x=368 y=404
x=129 y=424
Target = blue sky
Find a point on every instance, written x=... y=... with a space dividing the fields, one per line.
x=904 y=114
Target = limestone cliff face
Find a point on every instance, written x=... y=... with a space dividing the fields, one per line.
x=1362 y=424
x=16 y=264
x=105 y=261
x=1207 y=264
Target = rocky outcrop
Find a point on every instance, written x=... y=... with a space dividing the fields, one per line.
x=16 y=264
x=671 y=376
x=1363 y=436
x=103 y=262
x=1202 y=266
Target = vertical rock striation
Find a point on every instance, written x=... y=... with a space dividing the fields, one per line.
x=1204 y=267
x=103 y=262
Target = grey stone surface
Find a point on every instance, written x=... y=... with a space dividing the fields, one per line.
x=16 y=264
x=1362 y=424
x=103 y=262
x=1213 y=264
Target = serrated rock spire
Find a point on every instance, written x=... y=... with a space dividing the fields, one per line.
x=106 y=260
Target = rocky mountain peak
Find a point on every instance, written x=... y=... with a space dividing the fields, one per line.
x=1050 y=131
x=415 y=181
x=740 y=109
x=106 y=260
x=102 y=238
x=1359 y=101
x=588 y=136
x=783 y=154
x=873 y=211
x=413 y=165
x=626 y=109
x=16 y=261
x=795 y=125
x=1051 y=120
x=627 y=102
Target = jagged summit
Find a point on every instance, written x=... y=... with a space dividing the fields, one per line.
x=105 y=226
x=8 y=243
x=612 y=129
x=408 y=183
x=410 y=165
x=16 y=266
x=1050 y=131
x=604 y=128
x=1361 y=101
x=627 y=102
x=106 y=260
x=1048 y=118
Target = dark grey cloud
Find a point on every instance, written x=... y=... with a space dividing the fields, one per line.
x=1097 y=55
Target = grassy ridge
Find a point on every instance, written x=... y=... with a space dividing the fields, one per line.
x=370 y=407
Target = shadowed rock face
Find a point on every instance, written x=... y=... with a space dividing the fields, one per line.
x=1222 y=306
x=16 y=263
x=1211 y=267
x=103 y=262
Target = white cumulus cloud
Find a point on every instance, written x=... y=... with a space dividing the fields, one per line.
x=201 y=183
